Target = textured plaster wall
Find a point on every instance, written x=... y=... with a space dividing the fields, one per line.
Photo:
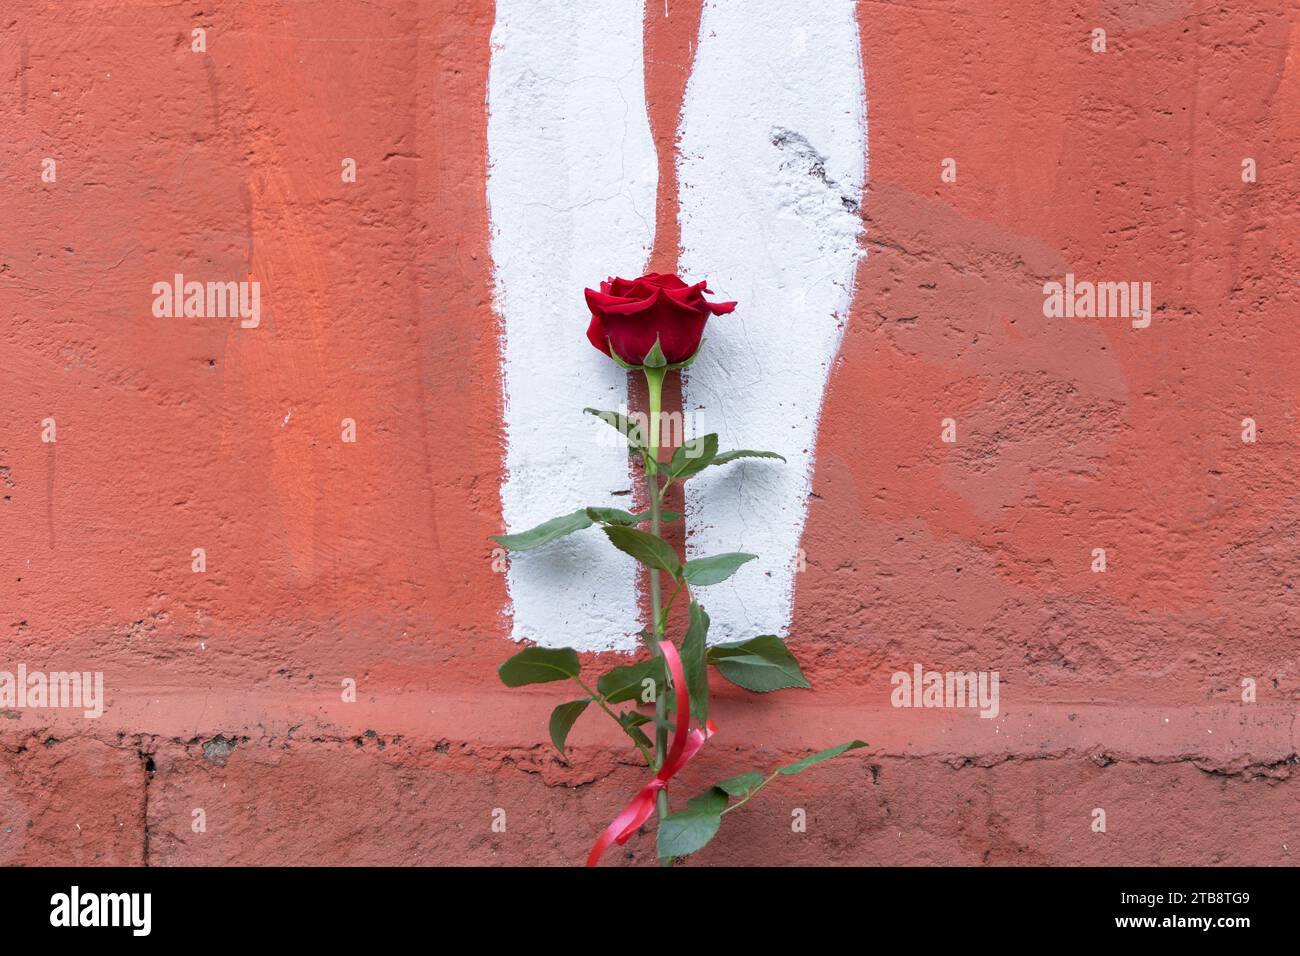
x=329 y=561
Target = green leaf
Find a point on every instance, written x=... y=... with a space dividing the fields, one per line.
x=624 y=425
x=688 y=831
x=631 y=722
x=802 y=765
x=545 y=532
x=694 y=455
x=539 y=665
x=563 y=718
x=694 y=663
x=616 y=516
x=650 y=549
x=740 y=785
x=713 y=800
x=760 y=664
x=727 y=456
x=619 y=516
x=626 y=681
x=702 y=572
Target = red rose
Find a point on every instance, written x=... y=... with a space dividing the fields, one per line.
x=630 y=315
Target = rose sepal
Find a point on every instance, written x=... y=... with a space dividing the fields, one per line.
x=613 y=353
x=654 y=358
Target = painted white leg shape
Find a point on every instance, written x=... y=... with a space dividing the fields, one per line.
x=773 y=160
x=571 y=196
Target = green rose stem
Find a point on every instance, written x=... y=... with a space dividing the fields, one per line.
x=654 y=378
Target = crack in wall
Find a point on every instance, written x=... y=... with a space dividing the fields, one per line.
x=812 y=163
x=150 y=768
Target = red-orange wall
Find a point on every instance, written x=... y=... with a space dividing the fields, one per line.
x=370 y=560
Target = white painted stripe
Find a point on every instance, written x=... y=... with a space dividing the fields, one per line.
x=773 y=158
x=571 y=195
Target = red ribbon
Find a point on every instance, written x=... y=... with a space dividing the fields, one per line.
x=686 y=744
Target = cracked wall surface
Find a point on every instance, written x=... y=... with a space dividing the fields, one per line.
x=330 y=562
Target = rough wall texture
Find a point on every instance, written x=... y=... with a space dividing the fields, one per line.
x=369 y=560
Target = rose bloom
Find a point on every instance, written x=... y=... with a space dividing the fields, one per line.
x=630 y=314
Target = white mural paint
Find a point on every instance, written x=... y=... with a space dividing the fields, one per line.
x=571 y=194
x=773 y=159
